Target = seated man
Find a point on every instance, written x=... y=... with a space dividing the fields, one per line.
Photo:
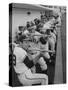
x=43 y=19
x=44 y=46
x=20 y=32
x=54 y=29
x=23 y=68
x=28 y=24
x=36 y=21
x=51 y=39
x=33 y=34
x=20 y=29
x=57 y=19
x=36 y=36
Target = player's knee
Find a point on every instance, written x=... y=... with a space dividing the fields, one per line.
x=46 y=77
x=47 y=56
x=44 y=67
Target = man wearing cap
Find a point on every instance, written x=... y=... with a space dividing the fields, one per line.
x=20 y=33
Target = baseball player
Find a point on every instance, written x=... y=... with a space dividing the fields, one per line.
x=23 y=69
x=36 y=38
x=41 y=49
x=44 y=45
x=33 y=33
x=51 y=40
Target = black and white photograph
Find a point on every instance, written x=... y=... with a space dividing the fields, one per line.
x=37 y=44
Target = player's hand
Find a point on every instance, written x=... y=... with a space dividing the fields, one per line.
x=33 y=69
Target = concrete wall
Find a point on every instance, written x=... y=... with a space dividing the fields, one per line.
x=20 y=17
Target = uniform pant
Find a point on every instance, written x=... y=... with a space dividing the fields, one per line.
x=52 y=44
x=28 y=78
x=46 y=47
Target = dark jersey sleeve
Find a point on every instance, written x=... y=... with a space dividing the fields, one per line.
x=28 y=62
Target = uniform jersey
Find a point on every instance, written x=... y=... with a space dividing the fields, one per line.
x=53 y=36
x=52 y=41
x=44 y=45
x=22 y=61
x=20 y=56
x=46 y=26
x=37 y=37
x=26 y=32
